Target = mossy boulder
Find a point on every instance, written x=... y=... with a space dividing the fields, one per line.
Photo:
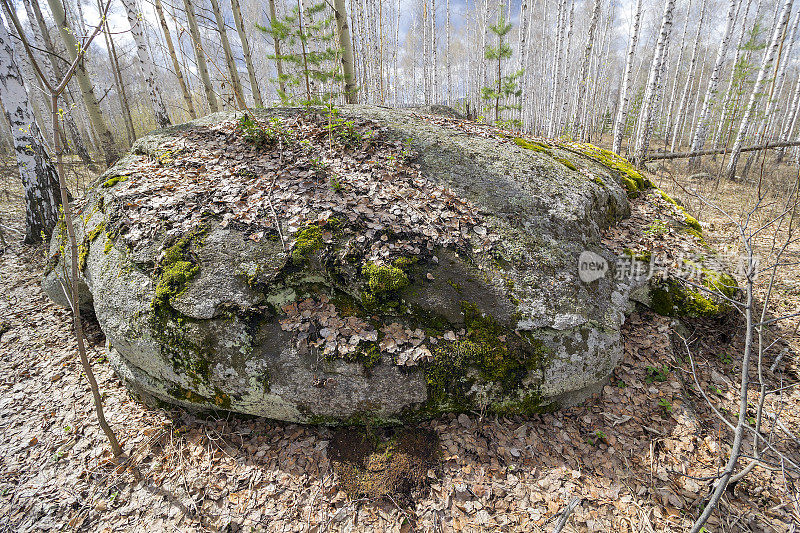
x=449 y=283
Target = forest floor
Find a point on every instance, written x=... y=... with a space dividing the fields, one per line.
x=637 y=456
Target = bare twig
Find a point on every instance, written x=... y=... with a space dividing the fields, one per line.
x=56 y=88
x=562 y=521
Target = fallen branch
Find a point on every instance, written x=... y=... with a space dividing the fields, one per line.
x=562 y=521
x=685 y=155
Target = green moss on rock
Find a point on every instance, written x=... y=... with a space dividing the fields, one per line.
x=532 y=145
x=113 y=181
x=307 y=241
x=384 y=278
x=83 y=249
x=177 y=268
x=644 y=255
x=633 y=180
x=672 y=298
x=368 y=355
x=567 y=163
x=489 y=353
x=692 y=222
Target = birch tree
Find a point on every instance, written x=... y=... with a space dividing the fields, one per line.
x=230 y=62
x=248 y=59
x=145 y=63
x=766 y=65
x=577 y=126
x=684 y=101
x=701 y=126
x=44 y=45
x=273 y=19
x=200 y=56
x=783 y=62
x=558 y=51
x=346 y=45
x=95 y=114
x=118 y=82
x=448 y=59
x=678 y=66
x=727 y=111
x=791 y=118
x=39 y=178
x=646 y=117
x=187 y=96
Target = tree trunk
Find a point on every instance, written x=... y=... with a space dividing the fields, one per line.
x=118 y=82
x=346 y=44
x=727 y=112
x=248 y=59
x=684 y=103
x=769 y=57
x=791 y=119
x=560 y=24
x=646 y=117
x=51 y=70
x=230 y=62
x=685 y=155
x=39 y=178
x=106 y=140
x=448 y=59
x=200 y=55
x=780 y=75
x=146 y=68
x=433 y=54
x=678 y=66
x=577 y=126
x=426 y=86
x=187 y=97
x=273 y=19
x=565 y=98
x=701 y=127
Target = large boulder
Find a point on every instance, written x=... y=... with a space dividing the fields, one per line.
x=373 y=265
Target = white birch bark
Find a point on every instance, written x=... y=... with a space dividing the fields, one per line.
x=701 y=127
x=678 y=66
x=448 y=58
x=39 y=178
x=724 y=115
x=766 y=65
x=684 y=102
x=436 y=91
x=790 y=122
x=622 y=110
x=578 y=127
x=562 y=116
x=651 y=90
x=560 y=23
x=397 y=83
x=146 y=68
x=781 y=75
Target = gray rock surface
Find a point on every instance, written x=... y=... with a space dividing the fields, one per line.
x=510 y=329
